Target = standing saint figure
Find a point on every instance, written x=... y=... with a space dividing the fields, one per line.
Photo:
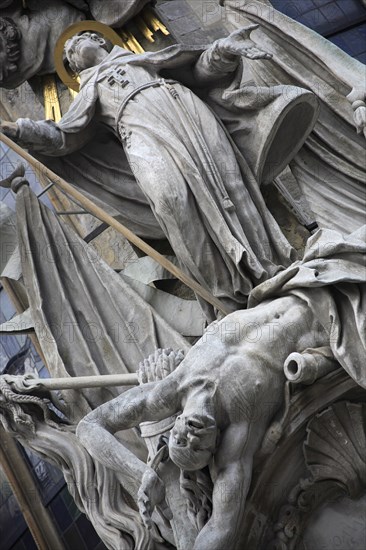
x=199 y=186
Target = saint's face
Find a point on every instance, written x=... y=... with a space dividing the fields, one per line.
x=84 y=51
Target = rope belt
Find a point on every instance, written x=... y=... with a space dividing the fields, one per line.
x=151 y=84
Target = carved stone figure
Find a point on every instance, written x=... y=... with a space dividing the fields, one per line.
x=220 y=424
x=38 y=25
x=28 y=37
x=182 y=158
x=215 y=417
x=193 y=457
x=315 y=303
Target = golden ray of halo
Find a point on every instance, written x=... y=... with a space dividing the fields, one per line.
x=69 y=78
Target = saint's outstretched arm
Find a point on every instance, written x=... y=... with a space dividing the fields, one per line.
x=75 y=129
x=223 y=57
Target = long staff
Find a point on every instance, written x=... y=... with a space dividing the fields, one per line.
x=29 y=383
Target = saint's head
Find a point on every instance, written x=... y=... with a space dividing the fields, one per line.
x=86 y=50
x=192 y=441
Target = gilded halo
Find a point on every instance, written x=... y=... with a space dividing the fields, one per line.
x=67 y=77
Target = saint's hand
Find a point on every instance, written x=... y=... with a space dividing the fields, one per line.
x=150 y=495
x=10 y=129
x=239 y=43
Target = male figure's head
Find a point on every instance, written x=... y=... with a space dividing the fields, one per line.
x=192 y=441
x=86 y=50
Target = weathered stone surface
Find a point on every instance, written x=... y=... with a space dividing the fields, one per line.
x=223 y=424
x=216 y=188
x=330 y=168
x=8 y=240
x=175 y=10
x=238 y=456
x=43 y=21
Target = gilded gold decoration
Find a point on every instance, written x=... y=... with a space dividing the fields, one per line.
x=144 y=29
x=130 y=42
x=74 y=93
x=153 y=22
x=147 y=23
x=68 y=78
x=51 y=100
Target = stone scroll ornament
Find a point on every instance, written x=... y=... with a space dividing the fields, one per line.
x=335 y=455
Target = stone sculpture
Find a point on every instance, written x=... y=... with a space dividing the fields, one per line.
x=28 y=37
x=306 y=308
x=182 y=158
x=219 y=419
x=330 y=168
x=220 y=424
x=309 y=305
x=35 y=26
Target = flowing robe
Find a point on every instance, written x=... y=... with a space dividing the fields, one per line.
x=330 y=168
x=199 y=187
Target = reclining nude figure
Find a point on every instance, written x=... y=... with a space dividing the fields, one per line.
x=225 y=393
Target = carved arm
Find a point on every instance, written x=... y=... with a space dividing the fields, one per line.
x=233 y=465
x=223 y=530
x=154 y=401
x=223 y=57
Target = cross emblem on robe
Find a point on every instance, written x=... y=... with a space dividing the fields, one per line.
x=116 y=76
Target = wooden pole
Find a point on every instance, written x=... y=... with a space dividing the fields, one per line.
x=26 y=492
x=112 y=222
